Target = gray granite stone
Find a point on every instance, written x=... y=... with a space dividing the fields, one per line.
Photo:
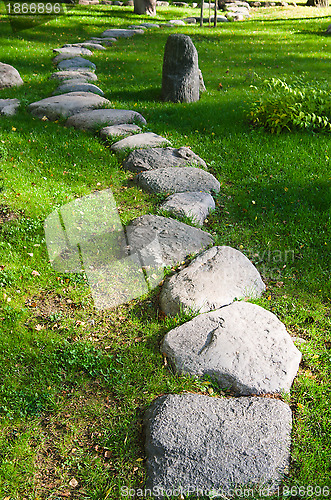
x=86 y=45
x=195 y=442
x=212 y=280
x=177 y=180
x=121 y=33
x=104 y=117
x=79 y=86
x=73 y=75
x=65 y=105
x=75 y=62
x=9 y=76
x=9 y=107
x=146 y=140
x=119 y=130
x=195 y=205
x=153 y=158
x=242 y=346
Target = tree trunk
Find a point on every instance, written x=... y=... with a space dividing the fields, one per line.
x=317 y=3
x=145 y=7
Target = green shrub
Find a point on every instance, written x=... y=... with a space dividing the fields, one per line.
x=289 y=106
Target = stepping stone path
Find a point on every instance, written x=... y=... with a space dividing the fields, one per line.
x=213 y=280
x=177 y=180
x=195 y=205
x=66 y=105
x=9 y=76
x=191 y=440
x=205 y=443
x=153 y=158
x=242 y=346
x=102 y=117
x=147 y=140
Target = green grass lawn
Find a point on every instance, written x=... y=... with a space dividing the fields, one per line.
x=74 y=381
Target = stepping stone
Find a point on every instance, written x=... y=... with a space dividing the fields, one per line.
x=86 y=45
x=119 y=130
x=79 y=86
x=72 y=51
x=213 y=280
x=9 y=76
x=242 y=346
x=164 y=242
x=136 y=27
x=177 y=180
x=195 y=205
x=63 y=57
x=9 y=107
x=65 y=105
x=121 y=33
x=153 y=158
x=104 y=117
x=73 y=75
x=75 y=62
x=195 y=442
x=146 y=140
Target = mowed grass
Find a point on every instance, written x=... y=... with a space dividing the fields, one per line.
x=75 y=382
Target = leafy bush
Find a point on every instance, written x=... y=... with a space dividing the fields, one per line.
x=289 y=106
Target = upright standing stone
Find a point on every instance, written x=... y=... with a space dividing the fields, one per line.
x=180 y=76
x=9 y=76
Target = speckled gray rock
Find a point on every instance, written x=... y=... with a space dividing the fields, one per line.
x=177 y=180
x=79 y=86
x=153 y=158
x=175 y=22
x=86 y=45
x=121 y=33
x=146 y=140
x=212 y=280
x=75 y=62
x=9 y=107
x=65 y=105
x=9 y=76
x=198 y=442
x=180 y=71
x=150 y=25
x=104 y=117
x=72 y=51
x=73 y=75
x=163 y=241
x=119 y=130
x=195 y=205
x=242 y=346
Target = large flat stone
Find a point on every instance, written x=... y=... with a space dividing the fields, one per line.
x=86 y=45
x=153 y=158
x=164 y=242
x=9 y=76
x=213 y=280
x=195 y=205
x=241 y=346
x=121 y=33
x=119 y=130
x=146 y=140
x=79 y=86
x=73 y=75
x=65 y=105
x=198 y=442
x=104 y=117
x=75 y=62
x=177 y=180
x=72 y=51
